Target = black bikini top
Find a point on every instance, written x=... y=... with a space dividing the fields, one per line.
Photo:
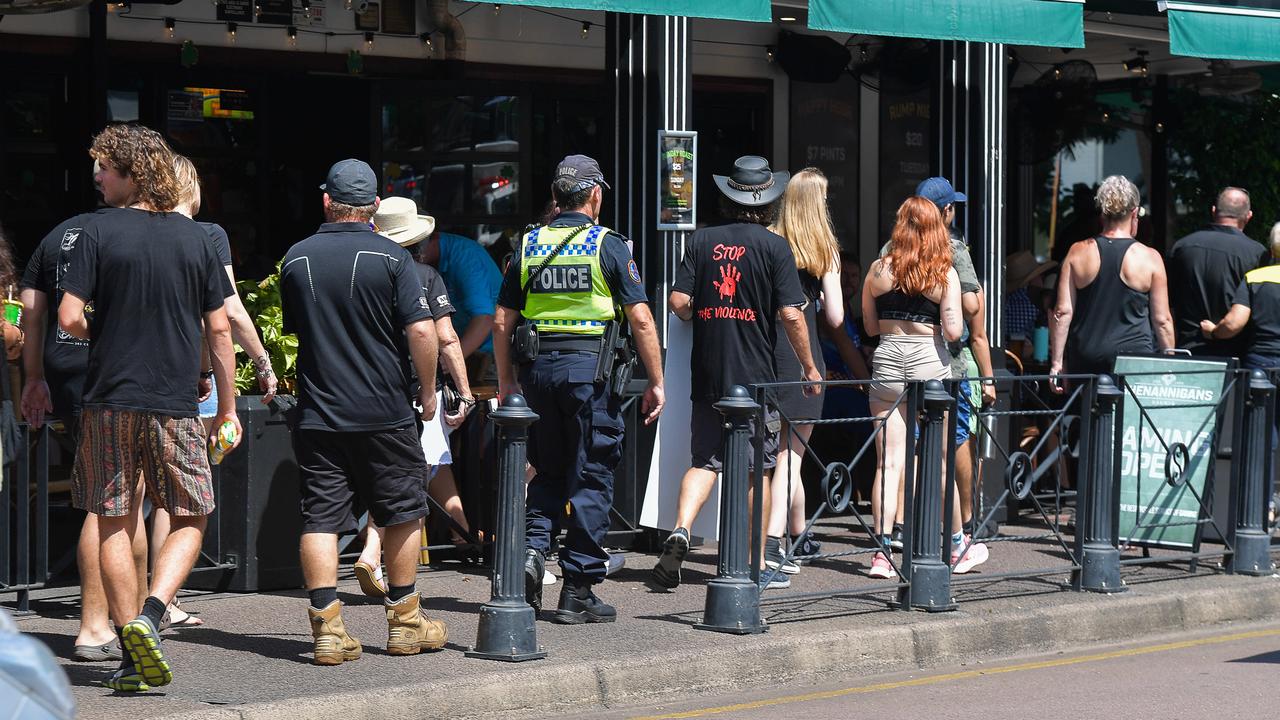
x=897 y=305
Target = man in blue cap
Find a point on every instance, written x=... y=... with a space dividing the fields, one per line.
x=973 y=360
x=354 y=299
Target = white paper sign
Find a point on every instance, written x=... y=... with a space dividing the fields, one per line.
x=671 y=452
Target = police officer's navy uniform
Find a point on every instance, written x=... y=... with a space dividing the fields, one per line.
x=576 y=443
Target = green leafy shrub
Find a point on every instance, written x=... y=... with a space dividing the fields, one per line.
x=262 y=301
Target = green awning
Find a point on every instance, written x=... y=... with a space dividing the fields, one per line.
x=748 y=10
x=1052 y=23
x=1223 y=32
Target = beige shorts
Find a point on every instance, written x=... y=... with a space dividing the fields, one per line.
x=900 y=358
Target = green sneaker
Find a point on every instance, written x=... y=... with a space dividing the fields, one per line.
x=143 y=645
x=125 y=680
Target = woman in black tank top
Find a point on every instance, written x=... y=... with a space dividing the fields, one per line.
x=1106 y=317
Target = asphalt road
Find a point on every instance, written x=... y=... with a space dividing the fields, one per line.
x=1225 y=673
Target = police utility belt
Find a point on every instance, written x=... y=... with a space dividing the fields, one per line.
x=615 y=356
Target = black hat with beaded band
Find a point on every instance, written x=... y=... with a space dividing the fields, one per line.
x=752 y=183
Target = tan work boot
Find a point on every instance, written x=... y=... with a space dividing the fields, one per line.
x=333 y=645
x=409 y=632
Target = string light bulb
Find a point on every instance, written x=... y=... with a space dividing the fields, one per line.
x=426 y=42
x=368 y=41
x=169 y=25
x=768 y=53
x=586 y=30
x=292 y=32
x=496 y=9
x=231 y=32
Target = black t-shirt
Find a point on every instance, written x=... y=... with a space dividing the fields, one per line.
x=1205 y=268
x=223 y=247
x=738 y=275
x=1260 y=292
x=437 y=295
x=151 y=277
x=348 y=293
x=66 y=358
x=619 y=269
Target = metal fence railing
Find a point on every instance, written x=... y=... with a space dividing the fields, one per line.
x=1087 y=425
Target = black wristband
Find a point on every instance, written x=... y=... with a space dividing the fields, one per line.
x=207 y=374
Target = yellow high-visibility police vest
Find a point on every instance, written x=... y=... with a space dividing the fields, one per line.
x=570 y=294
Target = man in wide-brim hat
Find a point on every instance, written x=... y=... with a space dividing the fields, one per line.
x=735 y=279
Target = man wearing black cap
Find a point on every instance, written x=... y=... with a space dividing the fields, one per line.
x=734 y=279
x=354 y=300
x=569 y=285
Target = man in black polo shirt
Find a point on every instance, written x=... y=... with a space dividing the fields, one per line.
x=1204 y=269
x=355 y=301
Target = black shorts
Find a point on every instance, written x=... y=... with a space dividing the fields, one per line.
x=344 y=473
x=707 y=441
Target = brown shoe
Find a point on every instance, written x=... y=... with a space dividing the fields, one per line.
x=333 y=645
x=409 y=632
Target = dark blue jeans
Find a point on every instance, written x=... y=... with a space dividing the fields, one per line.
x=1269 y=363
x=574 y=447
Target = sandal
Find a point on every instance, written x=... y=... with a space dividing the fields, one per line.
x=188 y=619
x=370 y=580
x=98 y=653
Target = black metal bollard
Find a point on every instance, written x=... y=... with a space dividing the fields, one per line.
x=930 y=573
x=1251 y=545
x=507 y=629
x=733 y=600
x=1099 y=555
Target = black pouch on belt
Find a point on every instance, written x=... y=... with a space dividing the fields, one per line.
x=524 y=343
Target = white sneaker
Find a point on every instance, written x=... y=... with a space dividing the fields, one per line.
x=973 y=557
x=548 y=578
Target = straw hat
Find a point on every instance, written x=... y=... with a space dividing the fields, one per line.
x=1022 y=267
x=397 y=219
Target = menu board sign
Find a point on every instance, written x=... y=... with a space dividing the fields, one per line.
x=825 y=134
x=677 y=191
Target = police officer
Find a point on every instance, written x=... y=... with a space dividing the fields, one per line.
x=566 y=286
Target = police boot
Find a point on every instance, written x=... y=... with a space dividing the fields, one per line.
x=409 y=632
x=578 y=605
x=333 y=645
x=535 y=566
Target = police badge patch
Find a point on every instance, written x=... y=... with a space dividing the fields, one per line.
x=633 y=271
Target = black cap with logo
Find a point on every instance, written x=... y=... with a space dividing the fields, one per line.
x=583 y=169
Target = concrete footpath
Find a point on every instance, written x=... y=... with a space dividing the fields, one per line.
x=251 y=659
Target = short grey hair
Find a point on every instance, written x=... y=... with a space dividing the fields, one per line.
x=1233 y=202
x=1275 y=240
x=1117 y=197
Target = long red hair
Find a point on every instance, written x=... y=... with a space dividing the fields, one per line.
x=920 y=253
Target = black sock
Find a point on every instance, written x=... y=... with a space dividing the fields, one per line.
x=396 y=593
x=898 y=527
x=322 y=598
x=154 y=609
x=126 y=661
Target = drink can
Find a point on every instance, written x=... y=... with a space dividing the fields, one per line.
x=224 y=440
x=13 y=312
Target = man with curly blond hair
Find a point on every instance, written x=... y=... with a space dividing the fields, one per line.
x=152 y=277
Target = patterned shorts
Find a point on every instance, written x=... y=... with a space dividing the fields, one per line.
x=115 y=445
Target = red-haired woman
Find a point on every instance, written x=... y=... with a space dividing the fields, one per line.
x=911 y=299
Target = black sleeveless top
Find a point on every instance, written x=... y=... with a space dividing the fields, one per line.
x=897 y=305
x=1110 y=317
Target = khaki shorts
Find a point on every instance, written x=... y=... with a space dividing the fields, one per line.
x=115 y=445
x=900 y=358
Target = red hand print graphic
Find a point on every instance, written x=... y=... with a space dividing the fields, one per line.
x=727 y=285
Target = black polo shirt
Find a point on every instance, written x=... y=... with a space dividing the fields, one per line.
x=619 y=269
x=1205 y=268
x=1260 y=292
x=348 y=293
